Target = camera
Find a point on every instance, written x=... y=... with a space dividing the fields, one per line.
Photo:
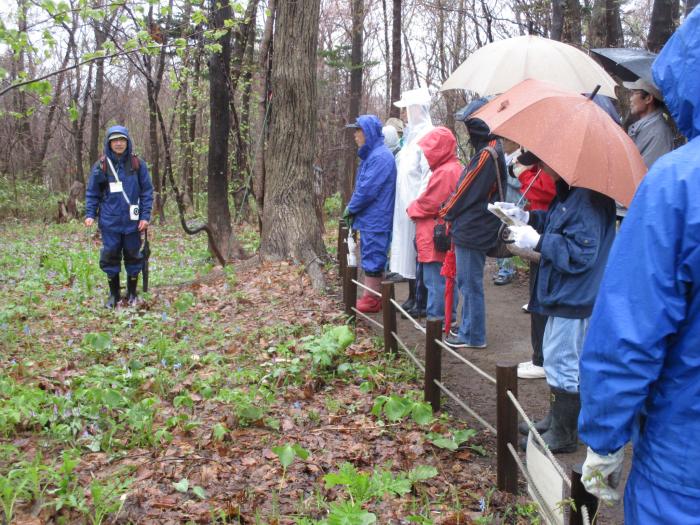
x=134 y=212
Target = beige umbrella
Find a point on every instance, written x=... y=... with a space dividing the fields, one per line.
x=497 y=67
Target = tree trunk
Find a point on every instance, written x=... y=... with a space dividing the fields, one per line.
x=355 y=96
x=24 y=128
x=387 y=62
x=566 y=21
x=264 y=70
x=395 y=58
x=664 y=20
x=218 y=213
x=605 y=26
x=290 y=226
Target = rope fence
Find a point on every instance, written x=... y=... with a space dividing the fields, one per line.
x=411 y=320
x=466 y=362
x=367 y=288
x=368 y=318
x=508 y=408
x=488 y=426
x=410 y=354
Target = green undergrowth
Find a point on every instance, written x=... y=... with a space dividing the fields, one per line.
x=85 y=392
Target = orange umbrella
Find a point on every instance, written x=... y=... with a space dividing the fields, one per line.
x=570 y=133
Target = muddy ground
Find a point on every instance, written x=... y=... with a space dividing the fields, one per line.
x=508 y=338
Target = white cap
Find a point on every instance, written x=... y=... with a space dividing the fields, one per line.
x=643 y=85
x=414 y=97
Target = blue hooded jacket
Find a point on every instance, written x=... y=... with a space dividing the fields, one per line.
x=578 y=230
x=372 y=202
x=112 y=208
x=640 y=367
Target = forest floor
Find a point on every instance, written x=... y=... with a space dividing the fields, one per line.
x=227 y=396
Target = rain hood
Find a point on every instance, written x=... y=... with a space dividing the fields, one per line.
x=677 y=73
x=129 y=146
x=372 y=129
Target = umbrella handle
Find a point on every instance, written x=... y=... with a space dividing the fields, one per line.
x=595 y=92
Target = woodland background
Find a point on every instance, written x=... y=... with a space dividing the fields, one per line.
x=241 y=105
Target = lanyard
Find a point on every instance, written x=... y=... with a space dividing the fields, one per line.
x=114 y=172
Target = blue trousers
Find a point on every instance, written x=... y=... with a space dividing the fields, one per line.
x=374 y=247
x=435 y=283
x=118 y=245
x=470 y=281
x=647 y=503
x=562 y=345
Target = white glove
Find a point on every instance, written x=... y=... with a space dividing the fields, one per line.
x=514 y=211
x=525 y=237
x=601 y=474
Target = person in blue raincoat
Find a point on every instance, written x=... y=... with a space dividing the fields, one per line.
x=371 y=207
x=120 y=193
x=640 y=367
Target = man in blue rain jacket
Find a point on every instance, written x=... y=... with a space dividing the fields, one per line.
x=371 y=207
x=640 y=367
x=120 y=193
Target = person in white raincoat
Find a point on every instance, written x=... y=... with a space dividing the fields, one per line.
x=411 y=179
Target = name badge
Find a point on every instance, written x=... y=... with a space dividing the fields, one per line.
x=115 y=187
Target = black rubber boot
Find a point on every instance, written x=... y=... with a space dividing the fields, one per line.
x=541 y=426
x=131 y=283
x=562 y=436
x=411 y=301
x=114 y=294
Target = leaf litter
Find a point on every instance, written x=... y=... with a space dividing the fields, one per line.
x=228 y=399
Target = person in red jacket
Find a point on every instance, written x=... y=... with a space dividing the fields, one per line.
x=440 y=149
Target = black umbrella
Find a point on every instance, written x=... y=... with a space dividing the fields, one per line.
x=627 y=63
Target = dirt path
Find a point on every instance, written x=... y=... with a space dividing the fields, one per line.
x=508 y=337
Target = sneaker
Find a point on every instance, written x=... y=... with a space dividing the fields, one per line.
x=525 y=308
x=454 y=331
x=530 y=371
x=502 y=279
x=524 y=364
x=454 y=341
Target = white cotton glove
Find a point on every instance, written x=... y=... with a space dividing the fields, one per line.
x=514 y=211
x=601 y=474
x=525 y=237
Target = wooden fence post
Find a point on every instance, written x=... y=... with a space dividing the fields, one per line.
x=433 y=363
x=506 y=427
x=580 y=496
x=389 y=317
x=349 y=289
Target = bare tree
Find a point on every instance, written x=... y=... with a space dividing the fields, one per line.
x=395 y=57
x=290 y=226
x=356 y=57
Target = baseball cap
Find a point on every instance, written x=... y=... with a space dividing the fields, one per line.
x=643 y=85
x=117 y=135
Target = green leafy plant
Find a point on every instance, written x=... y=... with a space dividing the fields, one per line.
x=288 y=453
x=452 y=440
x=396 y=408
x=107 y=498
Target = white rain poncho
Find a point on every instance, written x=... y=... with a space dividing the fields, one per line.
x=412 y=175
